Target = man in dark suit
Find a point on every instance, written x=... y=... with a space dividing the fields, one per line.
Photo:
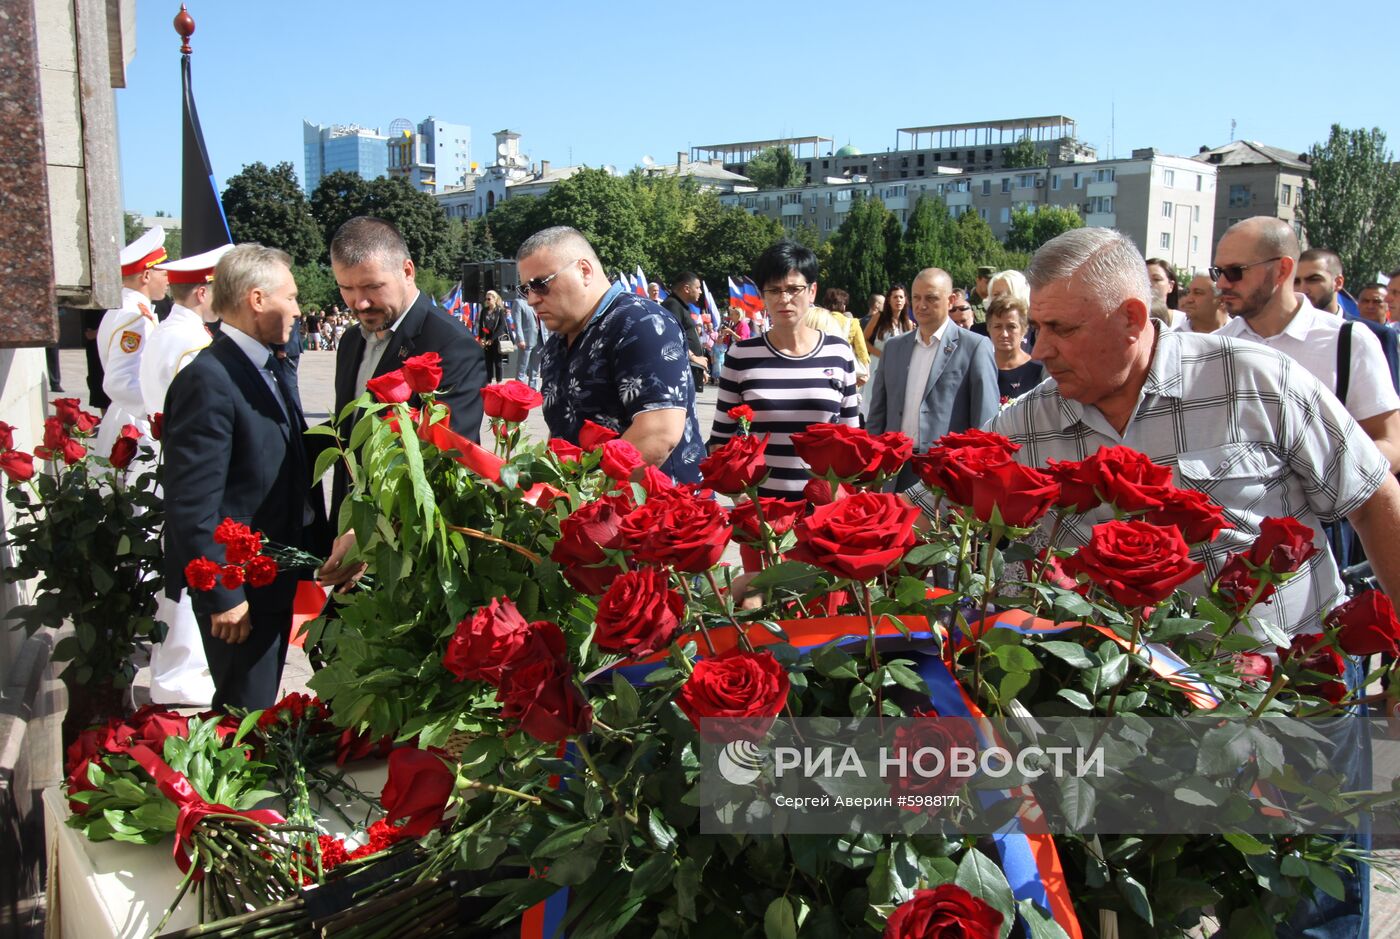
x=396 y=320
x=936 y=378
x=233 y=448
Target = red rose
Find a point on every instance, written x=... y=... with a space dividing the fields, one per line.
x=1236 y=583
x=564 y=451
x=677 y=529
x=231 y=576
x=927 y=732
x=836 y=450
x=977 y=440
x=418 y=787
x=391 y=387
x=124 y=448
x=897 y=450
x=1254 y=668
x=69 y=411
x=201 y=574
x=1284 y=544
x=483 y=645
x=639 y=614
x=592 y=436
x=746 y=689
x=55 y=433
x=1020 y=494
x=1366 y=625
x=1128 y=479
x=654 y=481
x=741 y=413
x=1191 y=511
x=818 y=491
x=736 y=465
x=153 y=723
x=356 y=746
x=262 y=571
x=17 y=465
x=945 y=912
x=958 y=471
x=858 y=537
x=620 y=460
x=510 y=401
x=157 y=425
x=538 y=689
x=778 y=514
x=583 y=536
x=7 y=436
x=1135 y=563
x=1315 y=655
x=1076 y=481
x=423 y=372
x=73 y=451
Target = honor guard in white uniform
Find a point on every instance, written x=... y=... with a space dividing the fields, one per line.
x=121 y=338
x=179 y=669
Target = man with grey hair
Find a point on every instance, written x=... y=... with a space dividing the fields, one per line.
x=233 y=448
x=936 y=378
x=613 y=358
x=1255 y=264
x=1201 y=304
x=1241 y=423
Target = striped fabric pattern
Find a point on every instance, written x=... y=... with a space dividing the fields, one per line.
x=788 y=395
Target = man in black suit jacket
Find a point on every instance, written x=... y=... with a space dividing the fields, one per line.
x=396 y=320
x=233 y=448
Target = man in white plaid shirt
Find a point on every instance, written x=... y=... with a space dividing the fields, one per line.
x=1244 y=424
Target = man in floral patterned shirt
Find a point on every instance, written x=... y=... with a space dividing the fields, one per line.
x=614 y=358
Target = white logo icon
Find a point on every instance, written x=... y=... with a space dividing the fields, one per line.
x=741 y=762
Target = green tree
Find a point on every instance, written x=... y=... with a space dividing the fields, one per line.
x=266 y=205
x=1029 y=230
x=339 y=197
x=1023 y=154
x=669 y=209
x=930 y=240
x=977 y=246
x=131 y=222
x=514 y=220
x=858 y=253
x=1351 y=203
x=418 y=217
x=775 y=168
x=316 y=287
x=603 y=207
x=725 y=241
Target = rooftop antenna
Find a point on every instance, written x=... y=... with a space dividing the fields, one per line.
x=1232 y=130
x=1112 y=129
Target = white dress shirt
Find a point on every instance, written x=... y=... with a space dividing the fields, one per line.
x=921 y=361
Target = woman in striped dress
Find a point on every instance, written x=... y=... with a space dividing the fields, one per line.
x=793 y=376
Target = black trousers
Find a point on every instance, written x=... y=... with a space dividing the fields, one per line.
x=248 y=674
x=494 y=363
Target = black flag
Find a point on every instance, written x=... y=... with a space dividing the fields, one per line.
x=204 y=226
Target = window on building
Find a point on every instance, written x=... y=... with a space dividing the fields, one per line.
x=1055 y=182
x=972 y=156
x=903 y=174
x=1166 y=210
x=1169 y=178
x=1025 y=181
x=826 y=164
x=1285 y=194
x=1196 y=214
x=1076 y=181
x=1006 y=184
x=937 y=157
x=1240 y=196
x=1195 y=244
x=987 y=155
x=982 y=214
x=921 y=160
x=986 y=187
x=1166 y=241
x=1200 y=182
x=1005 y=215
x=826 y=223
x=1104 y=175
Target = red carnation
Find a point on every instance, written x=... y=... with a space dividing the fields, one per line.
x=201 y=574
x=262 y=571
x=741 y=413
x=231 y=576
x=423 y=372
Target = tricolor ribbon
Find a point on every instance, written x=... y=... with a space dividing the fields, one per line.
x=193 y=808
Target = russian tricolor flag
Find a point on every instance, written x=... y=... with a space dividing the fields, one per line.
x=640 y=287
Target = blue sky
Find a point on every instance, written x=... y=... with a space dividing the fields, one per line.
x=611 y=82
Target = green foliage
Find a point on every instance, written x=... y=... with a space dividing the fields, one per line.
x=859 y=252
x=775 y=168
x=338 y=197
x=90 y=539
x=1029 y=230
x=173 y=236
x=514 y=220
x=725 y=242
x=1022 y=155
x=316 y=287
x=604 y=208
x=930 y=240
x=266 y=205
x=341 y=196
x=978 y=246
x=1351 y=203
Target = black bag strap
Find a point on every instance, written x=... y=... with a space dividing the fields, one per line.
x=1344 y=362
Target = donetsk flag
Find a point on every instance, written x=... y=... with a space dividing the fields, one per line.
x=202 y=214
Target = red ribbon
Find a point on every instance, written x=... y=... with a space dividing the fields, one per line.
x=480 y=461
x=176 y=787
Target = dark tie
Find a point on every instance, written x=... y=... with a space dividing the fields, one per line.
x=290 y=399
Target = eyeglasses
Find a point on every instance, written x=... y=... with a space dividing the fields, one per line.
x=1233 y=272
x=784 y=293
x=961 y=309
x=540 y=285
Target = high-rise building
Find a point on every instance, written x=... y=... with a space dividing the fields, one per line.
x=342 y=147
x=432 y=156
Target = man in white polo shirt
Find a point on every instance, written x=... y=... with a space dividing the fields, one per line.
x=1254 y=267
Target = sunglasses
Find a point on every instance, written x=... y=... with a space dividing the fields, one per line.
x=961 y=309
x=1233 y=272
x=540 y=285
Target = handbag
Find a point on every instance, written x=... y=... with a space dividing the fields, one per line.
x=505 y=347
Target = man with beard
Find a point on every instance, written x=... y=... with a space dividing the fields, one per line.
x=1254 y=269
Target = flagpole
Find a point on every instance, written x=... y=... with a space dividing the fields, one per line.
x=203 y=223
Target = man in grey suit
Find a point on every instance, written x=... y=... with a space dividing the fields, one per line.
x=934 y=379
x=530 y=337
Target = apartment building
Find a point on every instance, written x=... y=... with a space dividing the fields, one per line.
x=1256 y=179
